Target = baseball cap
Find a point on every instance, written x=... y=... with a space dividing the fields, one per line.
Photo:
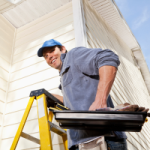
x=48 y=43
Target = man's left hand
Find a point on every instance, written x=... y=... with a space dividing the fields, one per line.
x=97 y=105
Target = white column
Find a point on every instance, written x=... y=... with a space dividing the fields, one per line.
x=79 y=23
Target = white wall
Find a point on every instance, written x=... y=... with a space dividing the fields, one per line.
x=30 y=72
x=129 y=85
x=7 y=32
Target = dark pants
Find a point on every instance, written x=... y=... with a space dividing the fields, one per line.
x=119 y=144
x=74 y=148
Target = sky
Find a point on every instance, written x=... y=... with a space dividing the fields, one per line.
x=137 y=15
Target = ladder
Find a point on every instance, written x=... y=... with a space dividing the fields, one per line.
x=43 y=100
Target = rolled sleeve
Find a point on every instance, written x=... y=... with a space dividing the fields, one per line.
x=107 y=58
x=90 y=60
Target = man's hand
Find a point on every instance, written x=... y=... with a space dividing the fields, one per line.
x=96 y=105
x=107 y=75
x=60 y=98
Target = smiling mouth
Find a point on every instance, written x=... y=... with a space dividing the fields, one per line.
x=53 y=61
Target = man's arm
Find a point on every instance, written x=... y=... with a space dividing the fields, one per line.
x=60 y=98
x=107 y=75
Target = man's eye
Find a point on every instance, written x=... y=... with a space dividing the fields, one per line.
x=45 y=56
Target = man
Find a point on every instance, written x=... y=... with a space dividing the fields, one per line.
x=87 y=76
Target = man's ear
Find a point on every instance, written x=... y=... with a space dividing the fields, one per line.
x=63 y=49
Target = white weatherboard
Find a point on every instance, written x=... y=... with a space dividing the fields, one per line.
x=14 y=1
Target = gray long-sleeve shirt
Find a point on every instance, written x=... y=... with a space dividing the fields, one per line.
x=79 y=81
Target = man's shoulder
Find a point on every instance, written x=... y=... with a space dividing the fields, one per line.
x=84 y=49
x=77 y=49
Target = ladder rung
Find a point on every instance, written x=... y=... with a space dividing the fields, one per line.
x=61 y=107
x=29 y=137
x=57 y=129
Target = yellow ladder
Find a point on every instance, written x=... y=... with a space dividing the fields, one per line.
x=44 y=100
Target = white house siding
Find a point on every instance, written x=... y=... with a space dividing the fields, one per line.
x=30 y=72
x=7 y=32
x=129 y=85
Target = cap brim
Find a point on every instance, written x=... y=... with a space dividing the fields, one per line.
x=40 y=52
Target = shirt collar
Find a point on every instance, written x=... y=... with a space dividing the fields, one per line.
x=62 y=57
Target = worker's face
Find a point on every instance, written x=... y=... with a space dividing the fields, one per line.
x=52 y=56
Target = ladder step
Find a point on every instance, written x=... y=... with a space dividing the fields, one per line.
x=61 y=107
x=29 y=137
x=57 y=129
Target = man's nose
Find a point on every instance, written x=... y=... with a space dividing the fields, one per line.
x=50 y=56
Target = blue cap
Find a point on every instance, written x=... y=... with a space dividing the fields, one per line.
x=48 y=43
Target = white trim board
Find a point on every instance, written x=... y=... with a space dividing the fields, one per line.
x=79 y=23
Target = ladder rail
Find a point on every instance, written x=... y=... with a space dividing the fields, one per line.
x=22 y=123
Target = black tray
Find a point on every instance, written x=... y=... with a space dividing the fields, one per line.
x=102 y=120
